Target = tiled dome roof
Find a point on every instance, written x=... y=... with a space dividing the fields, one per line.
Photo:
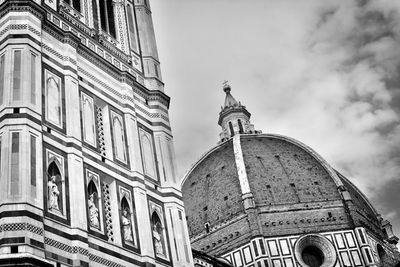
x=293 y=188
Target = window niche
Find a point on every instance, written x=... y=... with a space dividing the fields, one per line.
x=127 y=218
x=158 y=231
x=95 y=216
x=56 y=189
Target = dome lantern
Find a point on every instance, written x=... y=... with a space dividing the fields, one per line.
x=234 y=117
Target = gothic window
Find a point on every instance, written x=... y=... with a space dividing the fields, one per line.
x=107 y=17
x=240 y=126
x=132 y=27
x=53 y=99
x=148 y=154
x=93 y=205
x=89 y=134
x=231 y=129
x=2 y=74
x=54 y=188
x=119 y=137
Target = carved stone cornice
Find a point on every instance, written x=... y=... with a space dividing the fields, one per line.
x=66 y=13
x=22 y=6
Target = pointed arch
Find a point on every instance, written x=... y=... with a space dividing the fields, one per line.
x=92 y=190
x=125 y=204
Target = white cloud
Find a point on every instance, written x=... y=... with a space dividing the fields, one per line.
x=324 y=72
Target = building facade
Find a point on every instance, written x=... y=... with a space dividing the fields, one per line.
x=87 y=165
x=266 y=200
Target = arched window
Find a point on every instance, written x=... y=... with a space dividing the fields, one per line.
x=93 y=205
x=231 y=129
x=240 y=126
x=54 y=188
x=119 y=140
x=107 y=17
x=158 y=235
x=127 y=222
x=148 y=156
x=53 y=95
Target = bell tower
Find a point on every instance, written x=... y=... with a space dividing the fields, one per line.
x=87 y=165
x=234 y=118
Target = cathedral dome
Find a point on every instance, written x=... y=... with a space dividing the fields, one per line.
x=293 y=189
x=253 y=187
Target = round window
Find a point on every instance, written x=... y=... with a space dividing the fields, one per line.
x=315 y=250
x=312 y=256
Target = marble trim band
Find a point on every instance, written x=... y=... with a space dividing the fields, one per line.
x=11 y=227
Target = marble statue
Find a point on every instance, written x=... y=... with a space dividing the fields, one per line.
x=93 y=212
x=157 y=241
x=53 y=193
x=126 y=226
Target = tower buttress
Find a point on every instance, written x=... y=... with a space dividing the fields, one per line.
x=234 y=118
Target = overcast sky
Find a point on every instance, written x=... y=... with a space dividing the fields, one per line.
x=323 y=72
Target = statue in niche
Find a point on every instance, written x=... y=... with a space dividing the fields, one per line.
x=126 y=226
x=93 y=212
x=53 y=193
x=157 y=241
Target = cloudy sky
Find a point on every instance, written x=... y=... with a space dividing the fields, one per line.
x=323 y=72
